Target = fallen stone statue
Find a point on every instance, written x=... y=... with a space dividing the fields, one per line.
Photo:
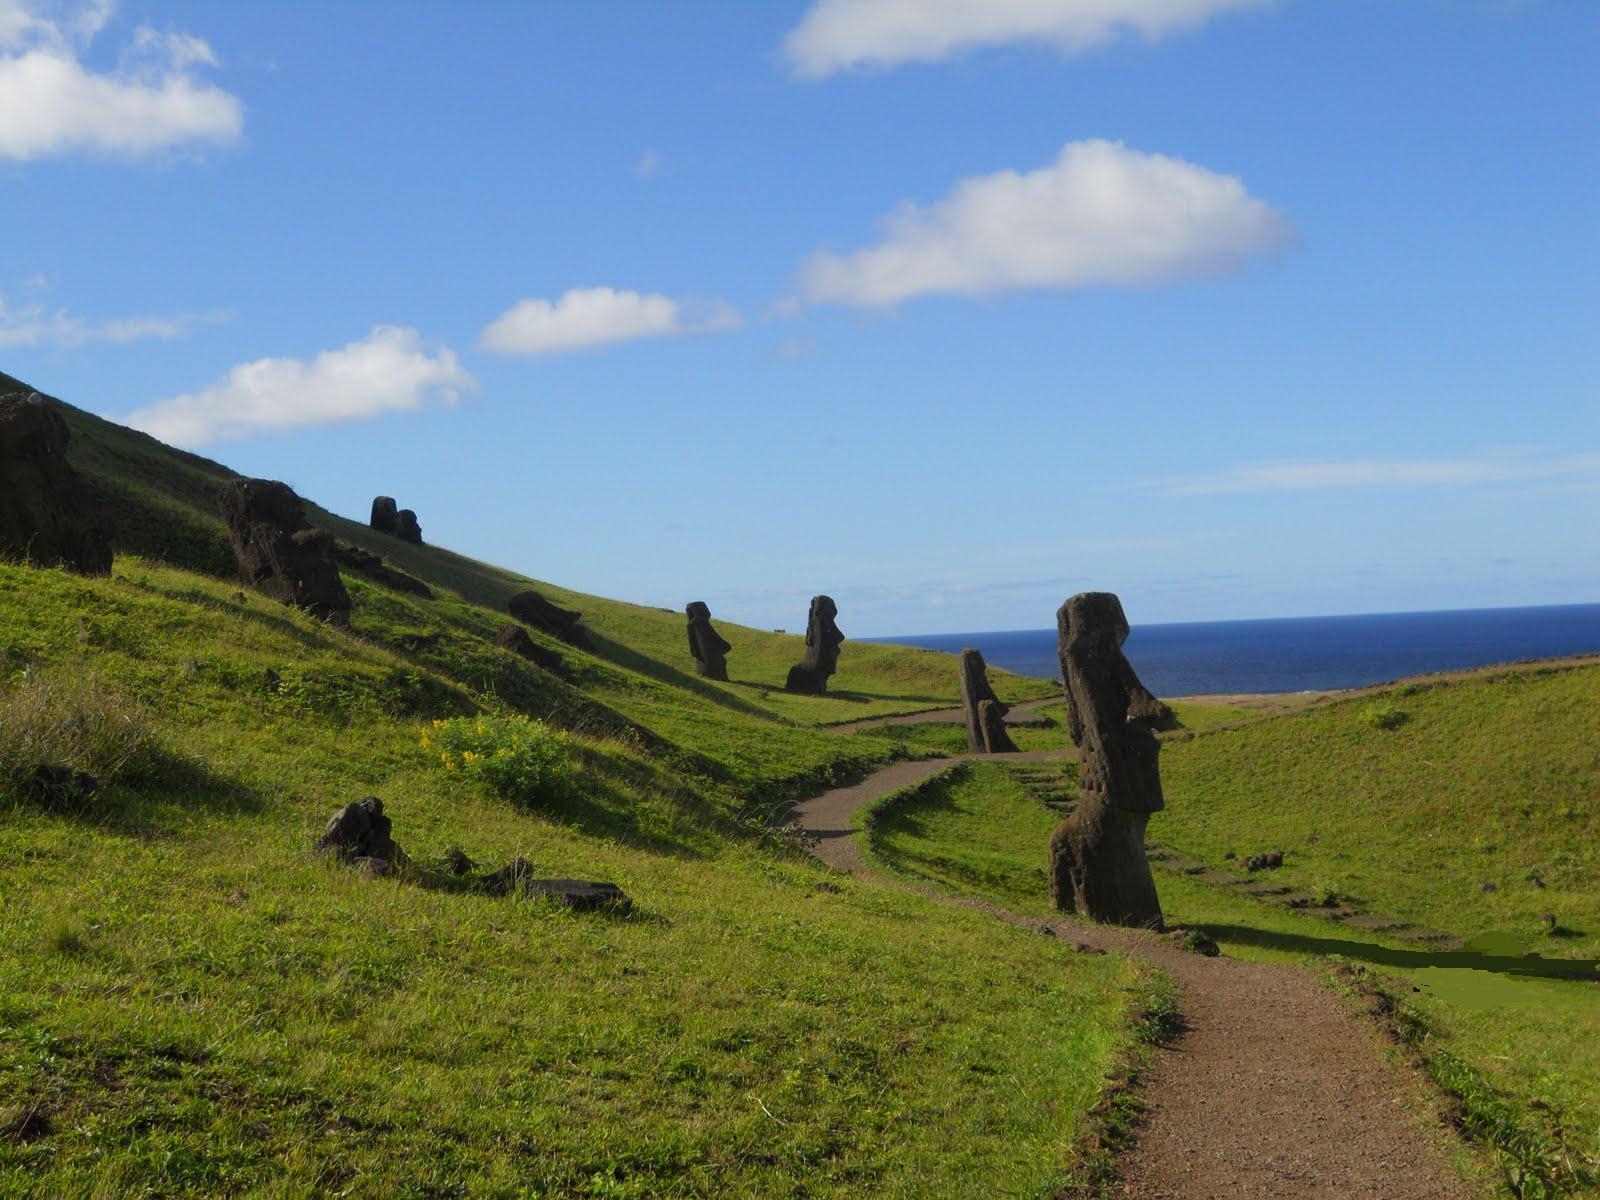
x=533 y=609
x=1098 y=867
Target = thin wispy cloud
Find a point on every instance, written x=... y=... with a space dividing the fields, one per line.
x=1382 y=473
x=837 y=35
x=34 y=325
x=650 y=162
x=587 y=317
x=52 y=103
x=1100 y=214
x=389 y=370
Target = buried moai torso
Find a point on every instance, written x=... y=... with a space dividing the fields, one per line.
x=1098 y=866
x=986 y=732
x=48 y=515
x=707 y=646
x=278 y=553
x=823 y=640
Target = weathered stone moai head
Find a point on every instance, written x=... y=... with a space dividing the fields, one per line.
x=535 y=610
x=1098 y=866
x=707 y=646
x=823 y=640
x=406 y=527
x=384 y=513
x=48 y=515
x=278 y=553
x=986 y=731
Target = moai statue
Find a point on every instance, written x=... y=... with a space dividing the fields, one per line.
x=278 y=553
x=1098 y=867
x=705 y=643
x=986 y=729
x=533 y=609
x=810 y=674
x=406 y=527
x=48 y=515
x=384 y=514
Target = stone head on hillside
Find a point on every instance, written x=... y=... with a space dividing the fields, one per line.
x=533 y=609
x=48 y=516
x=707 y=646
x=388 y=517
x=986 y=731
x=1098 y=866
x=823 y=639
x=278 y=553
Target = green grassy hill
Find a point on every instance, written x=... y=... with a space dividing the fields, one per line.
x=1453 y=828
x=192 y=1004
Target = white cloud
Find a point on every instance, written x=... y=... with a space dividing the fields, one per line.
x=33 y=325
x=838 y=34
x=1374 y=472
x=1099 y=214
x=585 y=317
x=51 y=103
x=387 y=371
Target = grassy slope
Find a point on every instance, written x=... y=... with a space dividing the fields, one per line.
x=1487 y=779
x=191 y=1004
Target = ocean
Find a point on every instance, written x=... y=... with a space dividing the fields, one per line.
x=1301 y=654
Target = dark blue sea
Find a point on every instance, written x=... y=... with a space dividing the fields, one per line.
x=1301 y=654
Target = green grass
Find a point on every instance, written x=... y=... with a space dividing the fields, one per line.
x=191 y=1004
x=1524 y=1036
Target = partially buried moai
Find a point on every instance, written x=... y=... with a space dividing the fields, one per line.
x=707 y=646
x=986 y=730
x=1098 y=867
x=278 y=553
x=823 y=639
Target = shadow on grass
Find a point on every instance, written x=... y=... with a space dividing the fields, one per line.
x=1528 y=965
x=152 y=800
x=654 y=668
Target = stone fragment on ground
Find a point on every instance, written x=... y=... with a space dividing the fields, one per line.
x=515 y=639
x=371 y=566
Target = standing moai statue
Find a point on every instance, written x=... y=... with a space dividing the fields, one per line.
x=48 y=516
x=707 y=646
x=986 y=729
x=406 y=527
x=384 y=514
x=1098 y=867
x=278 y=553
x=810 y=674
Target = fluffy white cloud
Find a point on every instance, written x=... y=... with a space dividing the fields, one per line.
x=51 y=103
x=838 y=34
x=585 y=317
x=33 y=325
x=1374 y=472
x=1099 y=214
x=387 y=371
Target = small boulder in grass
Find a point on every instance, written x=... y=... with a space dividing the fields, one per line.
x=360 y=835
x=580 y=895
x=1196 y=942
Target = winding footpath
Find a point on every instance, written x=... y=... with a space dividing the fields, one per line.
x=1272 y=1089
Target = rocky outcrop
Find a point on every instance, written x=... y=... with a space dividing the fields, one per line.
x=371 y=566
x=1098 y=867
x=533 y=609
x=278 y=554
x=986 y=730
x=47 y=515
x=707 y=646
x=361 y=835
x=810 y=675
x=515 y=639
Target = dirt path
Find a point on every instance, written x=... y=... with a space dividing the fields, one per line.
x=1025 y=713
x=1272 y=1090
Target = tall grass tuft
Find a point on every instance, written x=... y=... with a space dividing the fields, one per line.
x=69 y=718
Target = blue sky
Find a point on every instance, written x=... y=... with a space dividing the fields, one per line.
x=1236 y=308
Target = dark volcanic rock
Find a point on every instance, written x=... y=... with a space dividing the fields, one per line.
x=384 y=512
x=278 y=554
x=579 y=894
x=406 y=527
x=359 y=831
x=456 y=860
x=1097 y=857
x=823 y=639
x=707 y=646
x=61 y=788
x=515 y=639
x=982 y=738
x=371 y=566
x=47 y=514
x=533 y=609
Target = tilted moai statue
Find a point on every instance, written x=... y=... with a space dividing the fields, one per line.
x=533 y=609
x=48 y=516
x=986 y=729
x=707 y=646
x=823 y=639
x=1098 y=867
x=278 y=553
